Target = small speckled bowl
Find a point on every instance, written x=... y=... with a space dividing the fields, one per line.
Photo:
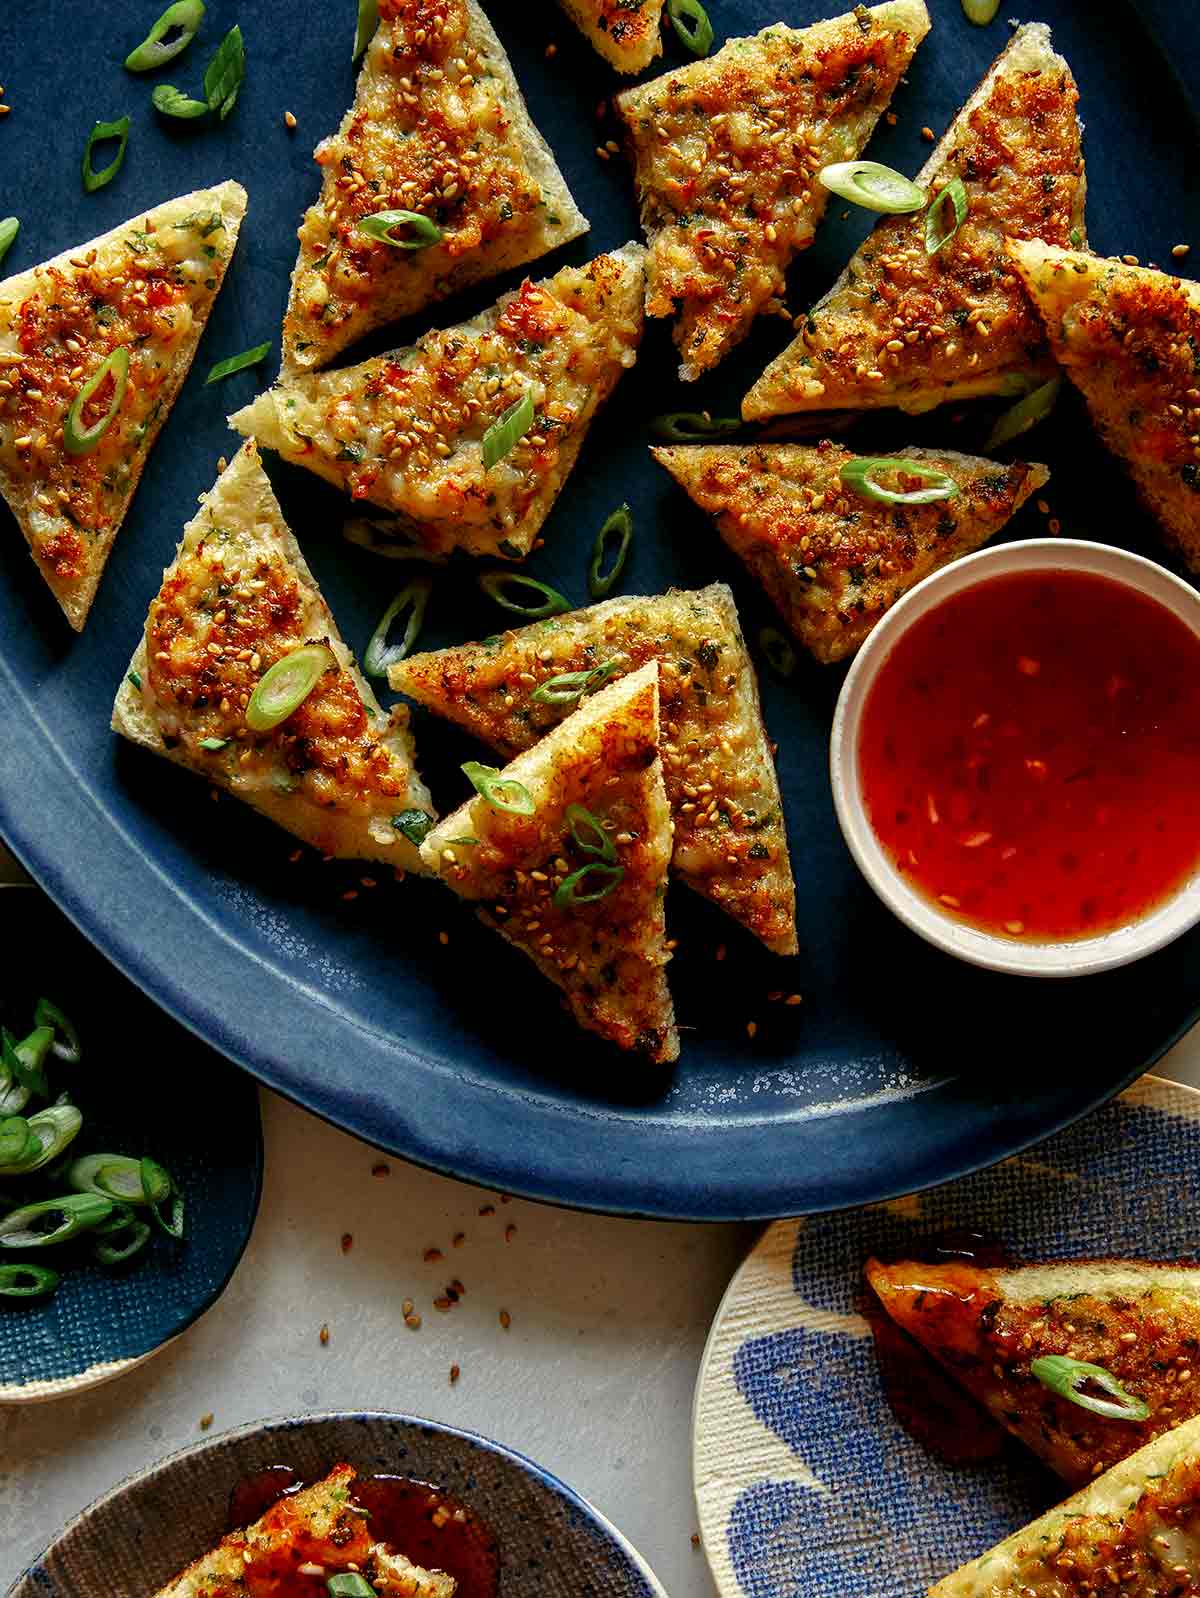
x=134 y=1539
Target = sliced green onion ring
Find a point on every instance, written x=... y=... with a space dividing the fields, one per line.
x=380 y=226
x=856 y=474
x=79 y=440
x=368 y=21
x=211 y=745
x=692 y=427
x=238 y=363
x=66 y=1045
x=619 y=526
x=553 y=603
x=1026 y=413
x=226 y=70
x=172 y=102
x=937 y=233
x=26 y=1281
x=570 y=686
x=873 y=186
x=390 y=539
x=156 y=1181
x=1066 y=1376
x=414 y=824
x=980 y=12
x=512 y=425
x=414 y=596
x=594 y=839
x=567 y=895
x=118 y=1176
x=53 y=1130
x=9 y=229
x=502 y=793
x=349 y=1584
x=121 y=1243
x=781 y=657
x=168 y=1214
x=116 y=1222
x=184 y=19
x=14 y=1094
x=286 y=685
x=118 y=130
x=16 y=1141
x=691 y=24
x=29 y=1060
x=53 y=1220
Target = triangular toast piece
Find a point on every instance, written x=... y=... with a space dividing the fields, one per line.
x=730 y=838
x=1135 y=1529
x=140 y=294
x=726 y=152
x=831 y=561
x=628 y=36
x=339 y=772
x=438 y=127
x=607 y=949
x=1139 y=1321
x=320 y=1525
x=1128 y=337
x=908 y=329
x=405 y=431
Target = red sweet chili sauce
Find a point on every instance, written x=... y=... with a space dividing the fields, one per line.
x=1029 y=755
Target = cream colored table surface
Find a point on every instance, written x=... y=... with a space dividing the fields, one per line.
x=593 y=1378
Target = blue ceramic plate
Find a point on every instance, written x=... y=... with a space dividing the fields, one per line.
x=901 y=1068
x=144 y=1088
x=552 y=1543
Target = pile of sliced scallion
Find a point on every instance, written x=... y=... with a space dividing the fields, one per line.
x=48 y=1194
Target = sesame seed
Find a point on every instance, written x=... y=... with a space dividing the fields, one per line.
x=323 y=1334
x=1180 y=250
x=510 y=1231
x=382 y=1169
x=441 y=1304
x=206 y=1421
x=289 y=120
x=505 y=1319
x=551 y=52
x=455 y=1373
x=751 y=1028
x=927 y=135
x=413 y=1322
x=443 y=938
x=432 y=1255
x=347 y=1242
x=459 y=1239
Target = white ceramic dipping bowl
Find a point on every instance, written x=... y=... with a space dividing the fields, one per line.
x=1075 y=957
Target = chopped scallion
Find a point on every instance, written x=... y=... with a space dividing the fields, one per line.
x=52 y=1131
x=1026 y=413
x=122 y=1243
x=286 y=685
x=692 y=26
x=53 y=1220
x=225 y=73
x=238 y=363
x=66 y=1040
x=601 y=877
x=857 y=474
x=781 y=657
x=213 y=744
x=368 y=21
x=414 y=824
x=134 y=679
x=938 y=232
x=26 y=1281
x=592 y=839
x=420 y=232
x=9 y=229
x=504 y=433
x=349 y=1584
x=619 y=526
x=980 y=12
x=553 y=603
x=1067 y=1377
x=414 y=597
x=873 y=186
x=692 y=427
x=168 y=1214
x=570 y=686
x=80 y=440
x=180 y=21
x=172 y=102
x=29 y=1059
x=102 y=131
x=502 y=793
x=118 y=1176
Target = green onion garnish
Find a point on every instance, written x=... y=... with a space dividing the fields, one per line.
x=391 y=539
x=781 y=657
x=349 y=1584
x=168 y=1214
x=26 y=1281
x=118 y=130
x=66 y=1042
x=937 y=234
x=79 y=440
x=570 y=686
x=286 y=686
x=53 y=1220
x=128 y=1240
x=116 y=1176
x=51 y=1131
x=872 y=185
x=856 y=474
x=213 y=744
x=502 y=793
x=134 y=679
x=368 y=21
x=1066 y=1377
x=225 y=72
x=421 y=232
x=1026 y=413
x=414 y=824
x=379 y=653
x=692 y=427
x=567 y=896
x=594 y=839
x=14 y=1093
x=172 y=102
x=9 y=229
x=1076 y=237
x=156 y=1181
x=691 y=24
x=29 y=1057
x=238 y=363
x=980 y=12
x=619 y=526
x=18 y=1144
x=181 y=19
x=553 y=603
x=503 y=434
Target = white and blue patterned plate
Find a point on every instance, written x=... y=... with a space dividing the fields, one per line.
x=805 y=1483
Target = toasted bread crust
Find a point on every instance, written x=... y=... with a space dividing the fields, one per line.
x=628 y=37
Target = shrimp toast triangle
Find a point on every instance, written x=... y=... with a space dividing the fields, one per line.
x=438 y=127
x=628 y=36
x=1128 y=337
x=123 y=313
x=1140 y=1321
x=572 y=869
x=406 y=431
x=726 y=151
x=831 y=561
x=905 y=328
x=318 y=1526
x=338 y=772
x=730 y=840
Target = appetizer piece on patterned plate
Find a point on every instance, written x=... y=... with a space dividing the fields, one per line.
x=1128 y=337
x=565 y=854
x=726 y=152
x=469 y=436
x=242 y=677
x=836 y=538
x=94 y=347
x=929 y=309
x=628 y=36
x=437 y=178
x=1083 y=1360
x=730 y=839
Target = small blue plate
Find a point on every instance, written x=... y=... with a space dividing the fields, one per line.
x=144 y=1087
x=552 y=1542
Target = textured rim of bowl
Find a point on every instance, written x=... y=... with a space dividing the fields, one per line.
x=1077 y=957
